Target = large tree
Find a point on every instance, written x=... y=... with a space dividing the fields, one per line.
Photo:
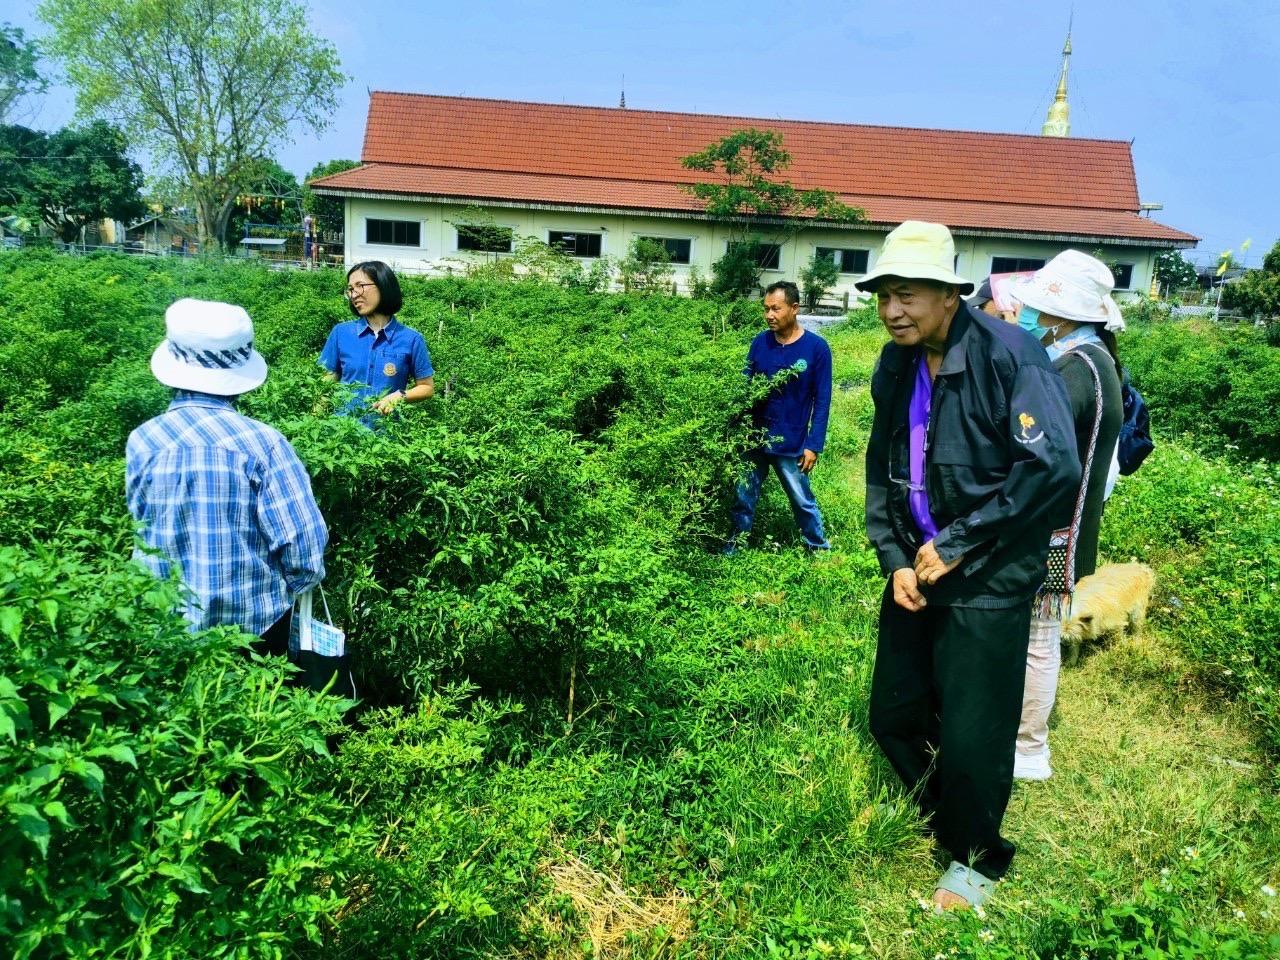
x=70 y=178
x=758 y=206
x=209 y=85
x=19 y=75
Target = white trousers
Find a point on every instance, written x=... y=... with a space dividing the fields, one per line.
x=1044 y=659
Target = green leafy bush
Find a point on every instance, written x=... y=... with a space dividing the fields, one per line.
x=162 y=794
x=1220 y=384
x=574 y=678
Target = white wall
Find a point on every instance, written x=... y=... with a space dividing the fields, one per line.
x=437 y=251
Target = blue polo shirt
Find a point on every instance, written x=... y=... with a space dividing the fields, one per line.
x=376 y=363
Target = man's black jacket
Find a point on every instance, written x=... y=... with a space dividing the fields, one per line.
x=1001 y=458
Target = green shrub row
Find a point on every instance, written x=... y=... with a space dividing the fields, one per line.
x=1220 y=384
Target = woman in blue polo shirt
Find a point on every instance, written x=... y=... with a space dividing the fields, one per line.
x=376 y=353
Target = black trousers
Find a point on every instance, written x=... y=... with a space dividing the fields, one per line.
x=275 y=641
x=317 y=671
x=946 y=699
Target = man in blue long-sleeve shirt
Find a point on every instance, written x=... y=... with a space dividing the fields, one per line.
x=793 y=416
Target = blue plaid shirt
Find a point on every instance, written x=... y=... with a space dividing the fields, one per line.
x=226 y=499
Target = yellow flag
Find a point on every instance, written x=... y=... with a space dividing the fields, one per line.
x=1245 y=246
x=1223 y=267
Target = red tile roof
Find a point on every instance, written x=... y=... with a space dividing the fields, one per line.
x=471 y=149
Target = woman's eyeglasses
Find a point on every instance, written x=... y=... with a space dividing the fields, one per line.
x=355 y=289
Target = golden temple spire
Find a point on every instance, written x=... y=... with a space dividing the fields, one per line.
x=1058 y=122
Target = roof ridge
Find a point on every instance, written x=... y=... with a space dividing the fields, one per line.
x=729 y=116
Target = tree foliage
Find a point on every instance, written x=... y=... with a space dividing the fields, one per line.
x=749 y=195
x=70 y=178
x=271 y=195
x=1257 y=293
x=19 y=76
x=818 y=276
x=646 y=268
x=328 y=211
x=748 y=162
x=1174 y=271
x=209 y=85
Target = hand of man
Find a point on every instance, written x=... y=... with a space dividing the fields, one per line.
x=906 y=591
x=807 y=459
x=929 y=567
x=388 y=403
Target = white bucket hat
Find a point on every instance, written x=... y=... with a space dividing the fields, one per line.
x=208 y=347
x=915 y=250
x=1073 y=286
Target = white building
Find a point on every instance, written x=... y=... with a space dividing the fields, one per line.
x=591 y=179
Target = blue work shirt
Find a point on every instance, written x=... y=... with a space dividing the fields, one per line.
x=795 y=412
x=376 y=363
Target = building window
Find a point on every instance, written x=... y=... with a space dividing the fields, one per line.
x=768 y=255
x=1015 y=264
x=397 y=233
x=1123 y=272
x=484 y=238
x=576 y=244
x=849 y=261
x=678 y=250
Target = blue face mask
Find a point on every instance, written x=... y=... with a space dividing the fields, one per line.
x=1029 y=320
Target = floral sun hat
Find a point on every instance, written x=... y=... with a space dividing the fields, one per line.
x=1073 y=286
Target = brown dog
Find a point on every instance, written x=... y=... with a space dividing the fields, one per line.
x=1110 y=601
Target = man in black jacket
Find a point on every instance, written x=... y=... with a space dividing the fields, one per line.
x=970 y=457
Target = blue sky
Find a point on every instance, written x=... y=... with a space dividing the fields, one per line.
x=1193 y=85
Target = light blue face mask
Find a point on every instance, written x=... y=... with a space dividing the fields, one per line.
x=1029 y=320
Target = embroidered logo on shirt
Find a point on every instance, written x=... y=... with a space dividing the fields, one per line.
x=801 y=365
x=389 y=370
x=1028 y=422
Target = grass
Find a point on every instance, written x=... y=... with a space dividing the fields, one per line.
x=773 y=823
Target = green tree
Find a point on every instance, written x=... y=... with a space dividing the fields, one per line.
x=818 y=276
x=1271 y=262
x=758 y=206
x=1174 y=272
x=209 y=85
x=82 y=175
x=328 y=211
x=1257 y=293
x=18 y=74
x=271 y=195
x=646 y=268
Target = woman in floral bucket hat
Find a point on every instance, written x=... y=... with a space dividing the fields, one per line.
x=1067 y=305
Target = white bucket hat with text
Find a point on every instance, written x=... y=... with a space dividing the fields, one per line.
x=208 y=347
x=915 y=250
x=1073 y=286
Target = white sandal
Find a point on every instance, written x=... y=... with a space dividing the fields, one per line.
x=966 y=883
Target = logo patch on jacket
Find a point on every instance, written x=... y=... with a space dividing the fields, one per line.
x=389 y=370
x=1028 y=434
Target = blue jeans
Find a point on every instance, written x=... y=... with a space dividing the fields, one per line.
x=796 y=484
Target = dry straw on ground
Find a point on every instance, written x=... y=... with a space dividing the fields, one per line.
x=619 y=923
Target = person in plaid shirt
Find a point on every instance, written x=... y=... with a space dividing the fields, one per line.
x=222 y=497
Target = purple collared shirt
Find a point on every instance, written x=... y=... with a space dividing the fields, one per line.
x=918 y=444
